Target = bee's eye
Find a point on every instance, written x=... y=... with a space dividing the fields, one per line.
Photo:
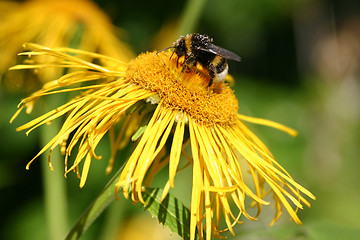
x=181 y=51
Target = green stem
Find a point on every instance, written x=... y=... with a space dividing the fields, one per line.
x=190 y=16
x=54 y=186
x=106 y=196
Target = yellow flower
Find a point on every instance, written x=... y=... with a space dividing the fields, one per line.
x=183 y=113
x=57 y=23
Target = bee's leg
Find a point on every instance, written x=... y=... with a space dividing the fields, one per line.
x=182 y=71
x=177 y=61
x=172 y=55
x=208 y=88
x=189 y=61
x=211 y=80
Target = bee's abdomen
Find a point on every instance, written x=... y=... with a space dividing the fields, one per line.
x=220 y=68
x=219 y=64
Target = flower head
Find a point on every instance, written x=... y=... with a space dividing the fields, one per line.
x=56 y=23
x=182 y=111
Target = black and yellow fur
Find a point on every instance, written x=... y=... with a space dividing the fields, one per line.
x=199 y=49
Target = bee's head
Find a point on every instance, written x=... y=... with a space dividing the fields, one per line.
x=180 y=47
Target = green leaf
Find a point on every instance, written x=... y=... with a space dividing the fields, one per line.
x=170 y=212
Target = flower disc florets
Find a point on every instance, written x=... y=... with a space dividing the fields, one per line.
x=185 y=91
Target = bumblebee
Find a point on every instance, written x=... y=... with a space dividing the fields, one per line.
x=199 y=49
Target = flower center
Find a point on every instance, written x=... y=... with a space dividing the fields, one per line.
x=187 y=91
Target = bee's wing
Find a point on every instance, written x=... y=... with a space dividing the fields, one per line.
x=222 y=52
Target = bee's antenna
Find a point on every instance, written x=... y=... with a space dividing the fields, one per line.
x=165 y=49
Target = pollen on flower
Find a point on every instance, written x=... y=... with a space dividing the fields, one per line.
x=185 y=91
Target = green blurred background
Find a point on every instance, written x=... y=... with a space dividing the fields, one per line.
x=300 y=67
